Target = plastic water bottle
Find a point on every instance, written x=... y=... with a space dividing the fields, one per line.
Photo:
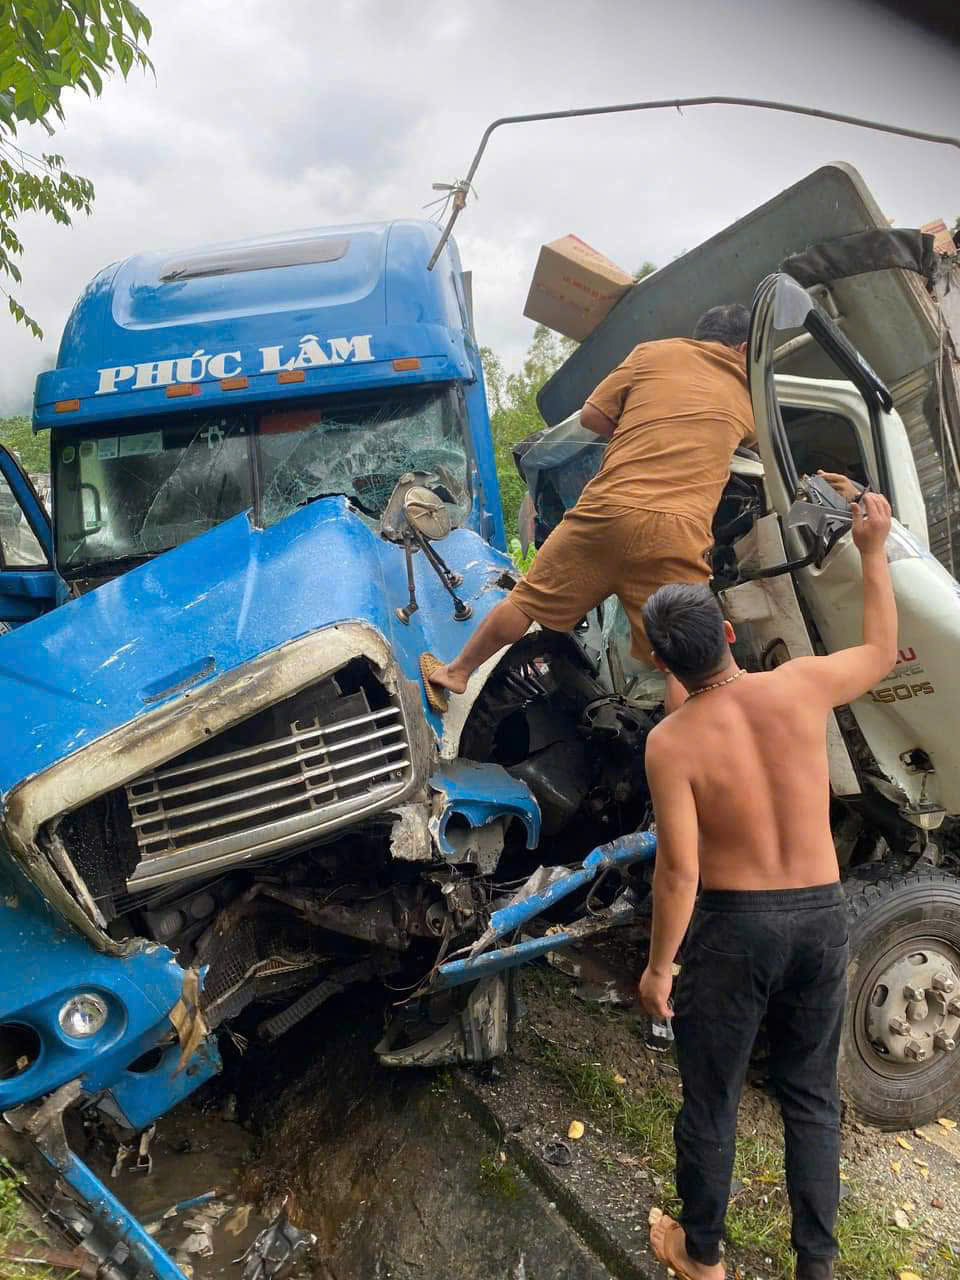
x=659 y=1035
x=659 y=1038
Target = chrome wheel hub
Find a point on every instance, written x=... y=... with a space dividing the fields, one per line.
x=910 y=1004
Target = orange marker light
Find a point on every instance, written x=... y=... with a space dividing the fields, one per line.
x=66 y=406
x=291 y=375
x=234 y=384
x=183 y=389
x=405 y=363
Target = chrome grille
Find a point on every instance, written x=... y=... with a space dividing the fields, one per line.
x=221 y=806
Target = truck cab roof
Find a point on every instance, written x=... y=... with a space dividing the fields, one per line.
x=153 y=317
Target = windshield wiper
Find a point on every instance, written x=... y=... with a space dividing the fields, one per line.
x=113 y=564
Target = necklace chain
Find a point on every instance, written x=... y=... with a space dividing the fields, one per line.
x=717 y=684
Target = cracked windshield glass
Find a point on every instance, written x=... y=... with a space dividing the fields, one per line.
x=360 y=446
x=146 y=491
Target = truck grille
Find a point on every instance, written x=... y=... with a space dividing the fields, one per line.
x=326 y=755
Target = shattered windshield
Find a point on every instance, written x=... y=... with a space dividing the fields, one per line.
x=360 y=446
x=137 y=493
x=139 y=488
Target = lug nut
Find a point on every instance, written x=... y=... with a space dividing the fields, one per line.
x=899 y=1027
x=914 y=993
x=942 y=1041
x=915 y=1051
x=943 y=982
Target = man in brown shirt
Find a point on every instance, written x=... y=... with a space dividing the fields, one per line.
x=674 y=412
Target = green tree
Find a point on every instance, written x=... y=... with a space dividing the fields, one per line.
x=32 y=450
x=46 y=47
x=513 y=408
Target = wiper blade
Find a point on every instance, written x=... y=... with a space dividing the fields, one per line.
x=90 y=568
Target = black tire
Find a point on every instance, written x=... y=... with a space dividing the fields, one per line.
x=883 y=916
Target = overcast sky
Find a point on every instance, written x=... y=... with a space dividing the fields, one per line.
x=270 y=115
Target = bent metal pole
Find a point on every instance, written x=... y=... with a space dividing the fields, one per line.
x=458 y=190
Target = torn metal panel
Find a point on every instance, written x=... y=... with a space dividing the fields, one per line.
x=410 y=838
x=478 y=847
x=461 y=706
x=187 y=1019
x=478 y=1034
x=139 y=990
x=480 y=793
x=883 y=317
x=44 y=1126
x=138 y=1099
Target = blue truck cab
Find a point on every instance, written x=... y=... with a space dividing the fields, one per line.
x=224 y=795
x=219 y=771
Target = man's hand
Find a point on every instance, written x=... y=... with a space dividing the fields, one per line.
x=841 y=484
x=654 y=992
x=871 y=523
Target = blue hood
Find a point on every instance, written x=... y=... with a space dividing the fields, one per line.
x=212 y=605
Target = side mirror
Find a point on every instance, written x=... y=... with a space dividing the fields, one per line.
x=91 y=514
x=424 y=511
x=821 y=527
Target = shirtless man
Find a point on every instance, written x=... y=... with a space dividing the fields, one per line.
x=739 y=779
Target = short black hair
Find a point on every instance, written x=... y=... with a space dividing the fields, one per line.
x=684 y=624
x=729 y=324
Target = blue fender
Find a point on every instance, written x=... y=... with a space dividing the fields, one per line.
x=482 y=793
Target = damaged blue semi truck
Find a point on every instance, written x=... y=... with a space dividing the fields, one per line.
x=224 y=792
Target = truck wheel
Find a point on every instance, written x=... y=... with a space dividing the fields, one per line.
x=899 y=1066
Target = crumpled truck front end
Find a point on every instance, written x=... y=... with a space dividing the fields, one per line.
x=223 y=804
x=80 y=1027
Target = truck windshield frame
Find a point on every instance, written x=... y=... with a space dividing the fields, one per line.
x=135 y=488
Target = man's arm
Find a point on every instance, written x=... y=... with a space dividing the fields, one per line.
x=841 y=677
x=602 y=411
x=676 y=873
x=842 y=485
x=594 y=420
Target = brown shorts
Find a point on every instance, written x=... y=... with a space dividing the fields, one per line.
x=628 y=553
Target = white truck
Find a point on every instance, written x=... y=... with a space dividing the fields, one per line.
x=852 y=368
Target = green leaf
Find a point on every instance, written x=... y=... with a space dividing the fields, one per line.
x=46 y=47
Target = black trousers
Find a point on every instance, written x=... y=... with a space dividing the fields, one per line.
x=779 y=955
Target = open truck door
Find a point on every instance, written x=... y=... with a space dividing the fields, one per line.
x=29 y=584
x=898 y=1059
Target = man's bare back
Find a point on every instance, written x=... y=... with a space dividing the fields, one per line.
x=738 y=775
x=755 y=759
x=739 y=770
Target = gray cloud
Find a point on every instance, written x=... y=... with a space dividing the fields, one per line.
x=265 y=117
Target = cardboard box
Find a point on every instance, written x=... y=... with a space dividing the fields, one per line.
x=942 y=239
x=574 y=287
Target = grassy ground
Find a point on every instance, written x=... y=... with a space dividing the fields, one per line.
x=758 y=1222
x=13 y=1231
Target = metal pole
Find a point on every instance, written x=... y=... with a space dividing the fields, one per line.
x=461 y=188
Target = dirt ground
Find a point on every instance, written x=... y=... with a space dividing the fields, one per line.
x=470 y=1174
x=572 y=1057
